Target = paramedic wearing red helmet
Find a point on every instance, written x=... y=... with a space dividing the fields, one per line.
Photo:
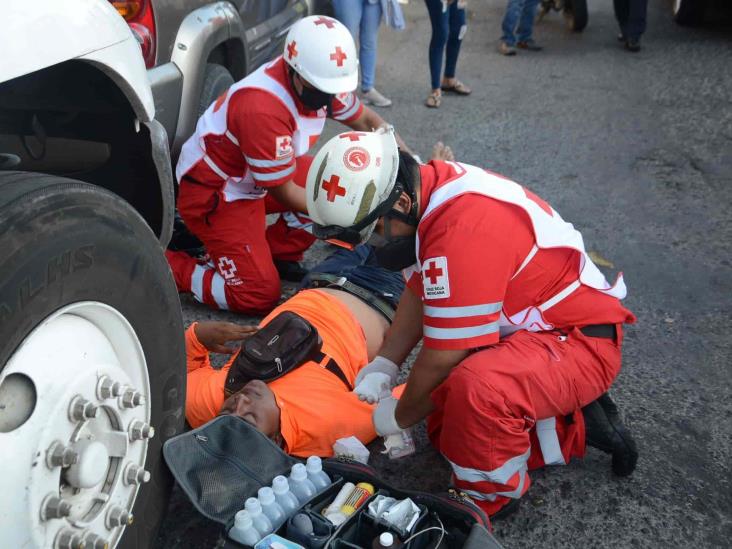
x=246 y=159
x=522 y=333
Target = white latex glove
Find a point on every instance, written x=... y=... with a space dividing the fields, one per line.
x=381 y=365
x=384 y=417
x=373 y=385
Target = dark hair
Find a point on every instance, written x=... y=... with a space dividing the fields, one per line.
x=408 y=174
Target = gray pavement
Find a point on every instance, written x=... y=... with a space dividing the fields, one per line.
x=636 y=151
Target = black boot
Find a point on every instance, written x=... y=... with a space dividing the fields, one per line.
x=605 y=431
x=183 y=240
x=290 y=270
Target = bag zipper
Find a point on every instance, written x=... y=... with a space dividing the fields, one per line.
x=279 y=364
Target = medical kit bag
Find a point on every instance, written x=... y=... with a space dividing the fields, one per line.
x=227 y=460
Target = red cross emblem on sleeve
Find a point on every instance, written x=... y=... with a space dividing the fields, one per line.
x=338 y=56
x=333 y=189
x=432 y=272
x=328 y=22
x=352 y=136
x=291 y=49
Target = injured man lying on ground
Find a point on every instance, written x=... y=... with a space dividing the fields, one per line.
x=306 y=410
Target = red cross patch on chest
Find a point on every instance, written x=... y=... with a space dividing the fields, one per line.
x=435 y=279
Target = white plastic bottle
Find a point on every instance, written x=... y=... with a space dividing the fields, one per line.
x=243 y=530
x=300 y=484
x=317 y=476
x=272 y=510
x=259 y=519
x=287 y=500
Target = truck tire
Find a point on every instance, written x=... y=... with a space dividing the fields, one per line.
x=216 y=81
x=92 y=355
x=575 y=13
x=688 y=12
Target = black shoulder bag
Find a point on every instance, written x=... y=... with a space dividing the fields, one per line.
x=285 y=343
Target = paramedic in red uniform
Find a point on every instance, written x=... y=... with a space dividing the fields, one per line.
x=521 y=332
x=246 y=159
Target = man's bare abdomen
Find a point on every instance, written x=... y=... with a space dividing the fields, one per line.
x=373 y=323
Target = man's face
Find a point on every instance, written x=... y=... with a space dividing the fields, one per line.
x=255 y=403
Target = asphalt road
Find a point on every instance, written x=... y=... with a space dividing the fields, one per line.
x=636 y=151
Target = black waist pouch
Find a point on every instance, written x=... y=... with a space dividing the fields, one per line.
x=286 y=342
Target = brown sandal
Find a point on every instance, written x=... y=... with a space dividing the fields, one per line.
x=458 y=88
x=433 y=101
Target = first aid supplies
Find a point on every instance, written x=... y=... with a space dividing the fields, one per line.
x=317 y=476
x=243 y=530
x=358 y=496
x=271 y=509
x=259 y=519
x=300 y=485
x=351 y=448
x=284 y=496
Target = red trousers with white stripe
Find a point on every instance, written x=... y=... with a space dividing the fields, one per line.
x=516 y=406
x=241 y=275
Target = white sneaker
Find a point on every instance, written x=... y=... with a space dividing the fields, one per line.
x=373 y=97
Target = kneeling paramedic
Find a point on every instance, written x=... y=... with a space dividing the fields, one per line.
x=306 y=410
x=521 y=331
x=247 y=159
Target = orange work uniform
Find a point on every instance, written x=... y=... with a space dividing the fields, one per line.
x=316 y=408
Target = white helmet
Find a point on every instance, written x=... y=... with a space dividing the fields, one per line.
x=352 y=183
x=322 y=51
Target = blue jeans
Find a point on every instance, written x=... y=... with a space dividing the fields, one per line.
x=362 y=18
x=359 y=267
x=631 y=16
x=448 y=29
x=518 y=23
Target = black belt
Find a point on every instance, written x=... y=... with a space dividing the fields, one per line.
x=324 y=280
x=606 y=331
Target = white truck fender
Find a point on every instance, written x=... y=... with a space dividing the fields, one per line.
x=61 y=31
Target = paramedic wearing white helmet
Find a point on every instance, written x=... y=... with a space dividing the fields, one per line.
x=247 y=158
x=521 y=332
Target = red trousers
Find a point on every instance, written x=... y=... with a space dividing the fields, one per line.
x=241 y=275
x=516 y=406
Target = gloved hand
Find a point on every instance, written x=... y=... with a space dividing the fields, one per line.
x=381 y=365
x=372 y=386
x=384 y=417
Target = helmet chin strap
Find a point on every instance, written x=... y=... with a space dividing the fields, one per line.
x=408 y=218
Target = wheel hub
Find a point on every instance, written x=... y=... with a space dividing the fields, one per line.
x=87 y=433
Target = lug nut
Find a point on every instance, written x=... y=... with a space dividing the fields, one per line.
x=107 y=388
x=59 y=455
x=131 y=398
x=135 y=475
x=69 y=539
x=95 y=541
x=81 y=409
x=140 y=430
x=118 y=516
x=54 y=507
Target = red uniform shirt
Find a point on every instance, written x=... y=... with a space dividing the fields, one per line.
x=470 y=248
x=262 y=129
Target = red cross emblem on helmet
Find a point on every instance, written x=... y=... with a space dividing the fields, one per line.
x=291 y=49
x=338 y=56
x=327 y=21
